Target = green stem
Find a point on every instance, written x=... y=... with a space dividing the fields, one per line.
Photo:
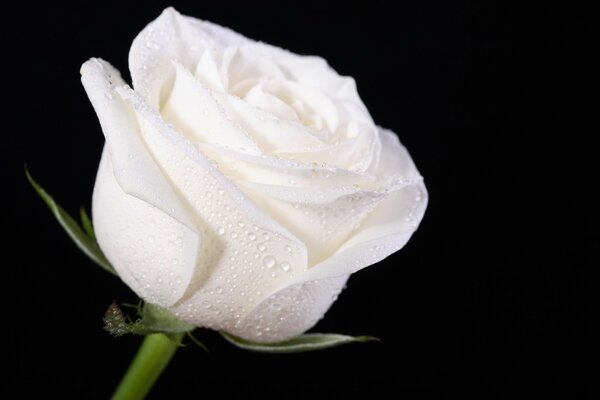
x=151 y=359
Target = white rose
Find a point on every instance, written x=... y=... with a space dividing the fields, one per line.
x=242 y=184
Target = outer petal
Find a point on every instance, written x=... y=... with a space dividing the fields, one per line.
x=172 y=37
x=391 y=224
x=133 y=203
x=152 y=252
x=291 y=311
x=135 y=170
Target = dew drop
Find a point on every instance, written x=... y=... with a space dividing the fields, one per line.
x=288 y=248
x=269 y=261
x=285 y=266
x=251 y=236
x=221 y=230
x=261 y=247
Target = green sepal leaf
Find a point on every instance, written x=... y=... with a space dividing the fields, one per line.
x=83 y=240
x=197 y=342
x=160 y=320
x=86 y=223
x=153 y=319
x=299 y=344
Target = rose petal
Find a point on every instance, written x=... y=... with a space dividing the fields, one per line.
x=385 y=231
x=322 y=223
x=393 y=158
x=244 y=62
x=266 y=129
x=306 y=100
x=263 y=100
x=153 y=253
x=172 y=37
x=272 y=170
x=208 y=73
x=355 y=154
x=340 y=210
x=291 y=311
x=194 y=112
x=140 y=193
x=135 y=170
x=310 y=71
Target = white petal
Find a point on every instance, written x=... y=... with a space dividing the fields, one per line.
x=242 y=63
x=394 y=159
x=208 y=73
x=356 y=153
x=391 y=224
x=140 y=193
x=326 y=217
x=263 y=100
x=309 y=71
x=322 y=220
x=384 y=232
x=308 y=101
x=153 y=253
x=290 y=311
x=194 y=112
x=268 y=131
x=271 y=170
x=172 y=37
x=135 y=170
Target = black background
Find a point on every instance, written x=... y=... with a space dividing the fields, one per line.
x=487 y=295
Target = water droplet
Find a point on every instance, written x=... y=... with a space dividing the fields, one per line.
x=285 y=266
x=251 y=236
x=288 y=248
x=266 y=237
x=269 y=261
x=234 y=235
x=261 y=247
x=221 y=230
